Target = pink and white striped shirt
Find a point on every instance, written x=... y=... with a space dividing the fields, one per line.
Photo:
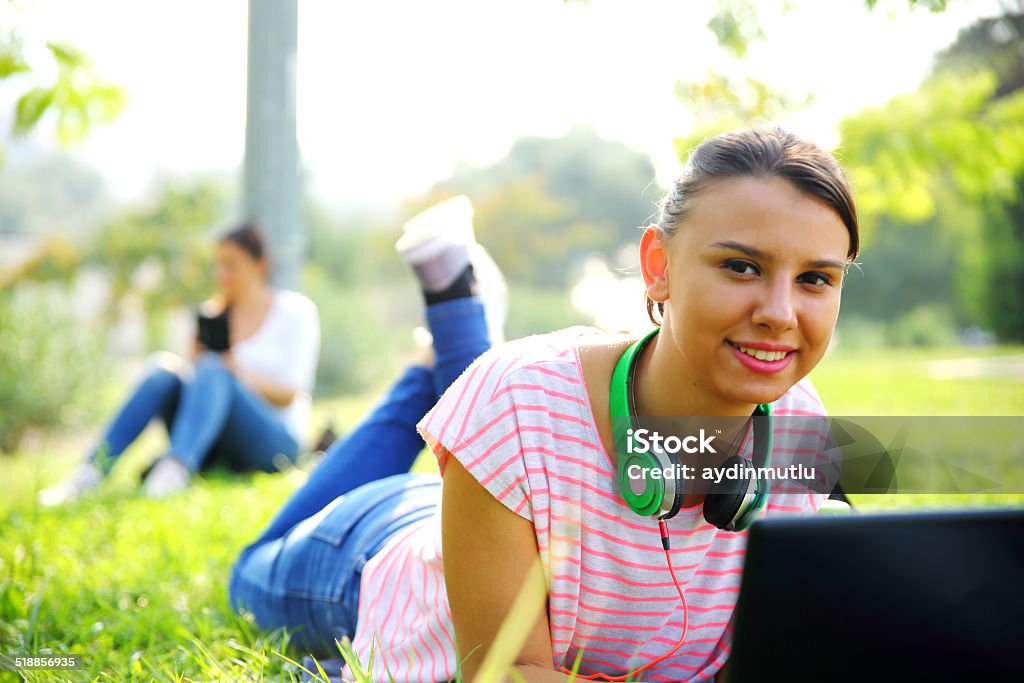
x=519 y=420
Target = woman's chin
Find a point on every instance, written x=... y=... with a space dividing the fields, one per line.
x=761 y=391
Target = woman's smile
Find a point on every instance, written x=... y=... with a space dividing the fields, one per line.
x=762 y=358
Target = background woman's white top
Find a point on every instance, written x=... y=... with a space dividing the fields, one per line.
x=285 y=349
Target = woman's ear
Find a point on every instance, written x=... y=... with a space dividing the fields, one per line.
x=654 y=263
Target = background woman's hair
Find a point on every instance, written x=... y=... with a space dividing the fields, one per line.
x=247 y=236
x=768 y=152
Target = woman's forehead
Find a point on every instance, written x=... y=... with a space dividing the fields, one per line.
x=770 y=214
x=228 y=249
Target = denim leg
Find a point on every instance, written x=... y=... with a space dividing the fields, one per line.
x=254 y=435
x=289 y=576
x=202 y=411
x=217 y=411
x=157 y=395
x=308 y=580
x=459 y=328
x=384 y=443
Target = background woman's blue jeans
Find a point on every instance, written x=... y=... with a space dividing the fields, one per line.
x=210 y=416
x=303 y=572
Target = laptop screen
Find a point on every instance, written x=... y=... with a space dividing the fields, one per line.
x=908 y=597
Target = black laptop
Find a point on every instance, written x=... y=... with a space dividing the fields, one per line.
x=893 y=597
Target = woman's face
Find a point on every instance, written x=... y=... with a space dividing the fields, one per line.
x=236 y=270
x=755 y=268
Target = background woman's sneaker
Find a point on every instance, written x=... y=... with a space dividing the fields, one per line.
x=85 y=477
x=168 y=476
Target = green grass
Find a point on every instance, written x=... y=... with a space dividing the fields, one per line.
x=898 y=382
x=139 y=588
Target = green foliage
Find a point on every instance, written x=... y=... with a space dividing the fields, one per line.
x=989 y=44
x=903 y=267
x=78 y=98
x=11 y=59
x=160 y=254
x=721 y=104
x=930 y=5
x=555 y=241
x=993 y=270
x=55 y=261
x=54 y=196
x=351 y=247
x=736 y=25
x=947 y=129
x=536 y=310
x=49 y=364
x=952 y=155
x=929 y=325
x=573 y=195
x=357 y=347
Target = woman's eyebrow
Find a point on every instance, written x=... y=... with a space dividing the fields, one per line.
x=765 y=256
x=749 y=251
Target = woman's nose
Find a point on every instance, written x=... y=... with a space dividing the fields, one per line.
x=776 y=309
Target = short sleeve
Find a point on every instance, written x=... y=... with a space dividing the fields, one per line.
x=477 y=422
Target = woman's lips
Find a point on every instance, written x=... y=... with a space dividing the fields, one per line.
x=764 y=367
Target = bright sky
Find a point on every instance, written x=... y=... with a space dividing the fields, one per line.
x=393 y=94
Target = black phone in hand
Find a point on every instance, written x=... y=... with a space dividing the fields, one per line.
x=214 y=333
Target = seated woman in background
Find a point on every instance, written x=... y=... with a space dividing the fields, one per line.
x=245 y=407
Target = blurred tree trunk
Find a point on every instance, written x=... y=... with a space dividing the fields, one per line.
x=271 y=174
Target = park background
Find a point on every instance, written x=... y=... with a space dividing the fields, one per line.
x=122 y=137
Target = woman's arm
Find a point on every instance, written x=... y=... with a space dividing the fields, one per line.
x=489 y=551
x=276 y=392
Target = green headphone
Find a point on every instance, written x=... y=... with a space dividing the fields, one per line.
x=731 y=504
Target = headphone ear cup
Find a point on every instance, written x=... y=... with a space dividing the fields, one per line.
x=725 y=499
x=674 y=489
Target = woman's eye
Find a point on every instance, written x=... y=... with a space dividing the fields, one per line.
x=741 y=267
x=816 y=279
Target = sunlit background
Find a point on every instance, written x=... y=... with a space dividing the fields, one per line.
x=124 y=137
x=393 y=96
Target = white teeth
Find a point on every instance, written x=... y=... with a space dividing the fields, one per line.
x=763 y=355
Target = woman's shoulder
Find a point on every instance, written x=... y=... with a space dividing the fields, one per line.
x=294 y=304
x=541 y=354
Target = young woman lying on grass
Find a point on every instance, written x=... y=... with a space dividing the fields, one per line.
x=745 y=267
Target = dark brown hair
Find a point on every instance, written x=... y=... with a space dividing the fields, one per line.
x=247 y=236
x=768 y=152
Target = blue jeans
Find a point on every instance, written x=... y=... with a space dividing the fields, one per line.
x=303 y=572
x=210 y=417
